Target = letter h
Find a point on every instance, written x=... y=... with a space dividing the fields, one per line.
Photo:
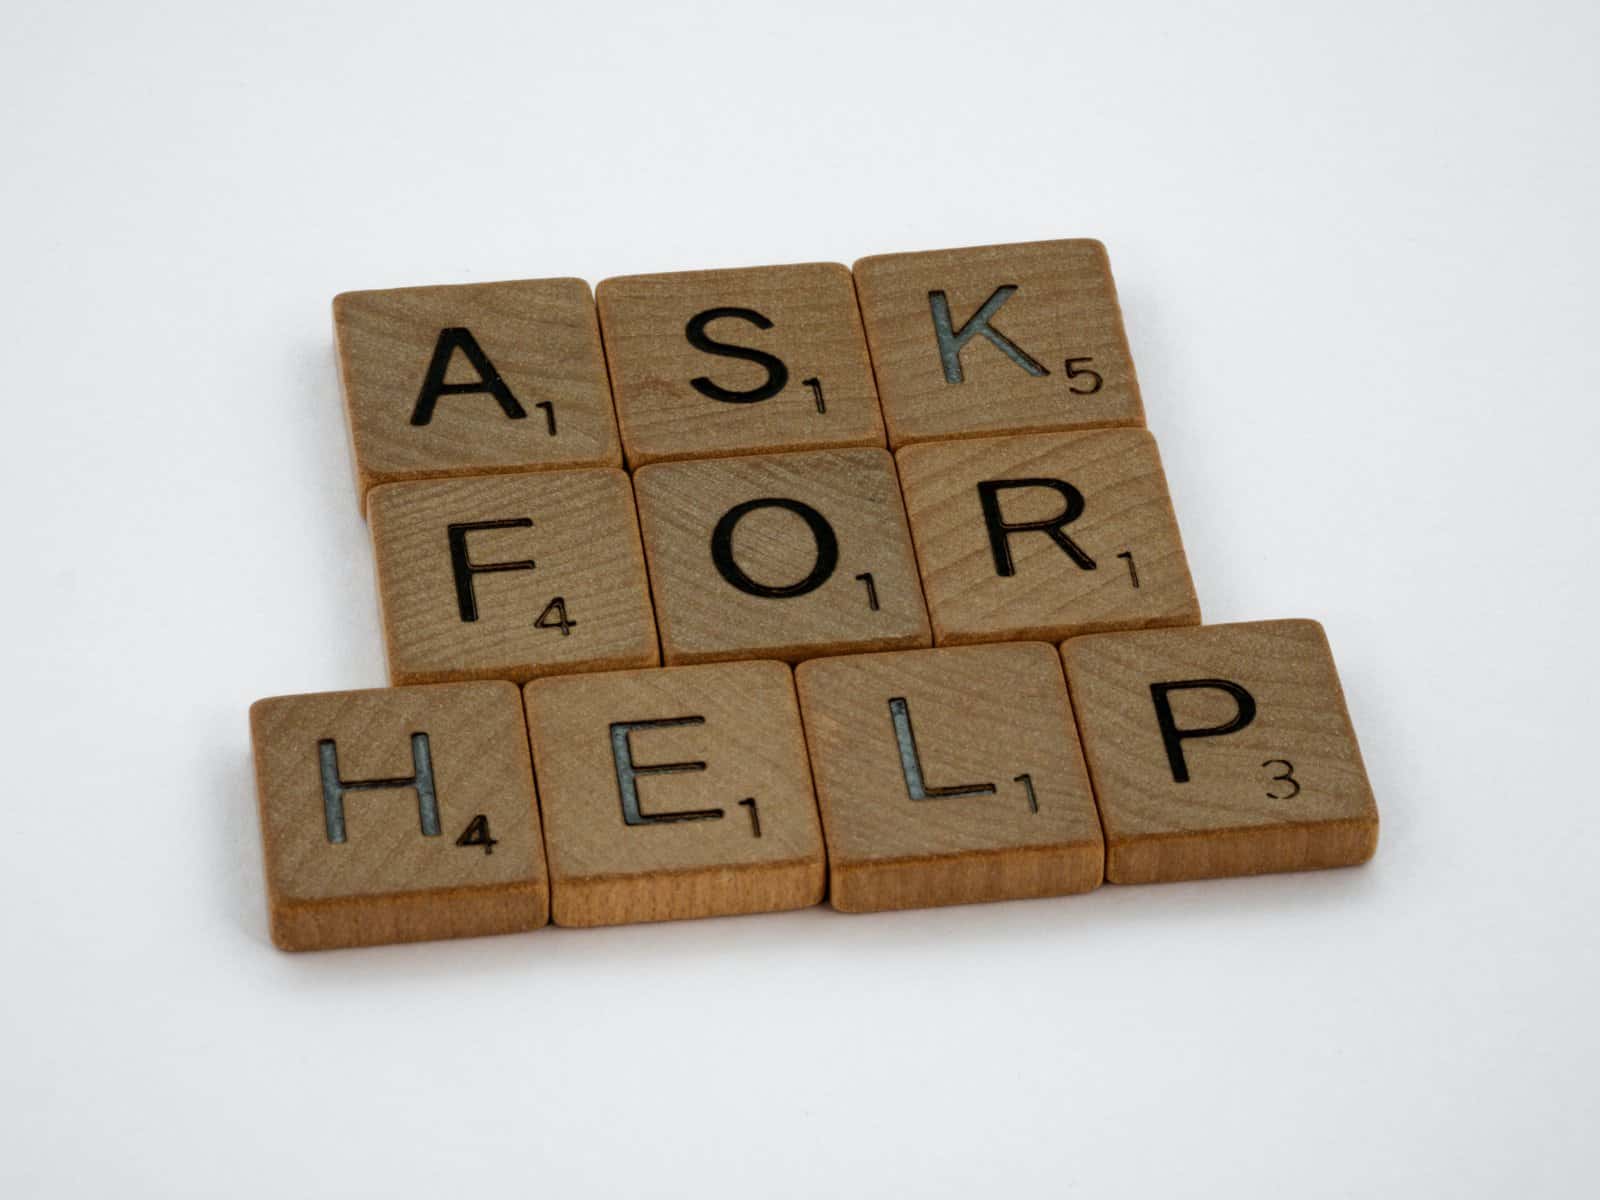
x=334 y=788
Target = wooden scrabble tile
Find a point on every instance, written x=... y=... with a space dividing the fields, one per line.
x=674 y=793
x=712 y=363
x=473 y=379
x=511 y=576
x=997 y=339
x=397 y=815
x=1223 y=750
x=1043 y=536
x=949 y=776
x=780 y=556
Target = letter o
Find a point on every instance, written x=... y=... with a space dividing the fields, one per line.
x=827 y=548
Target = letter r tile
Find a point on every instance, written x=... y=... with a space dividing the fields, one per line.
x=1045 y=536
x=511 y=576
x=949 y=776
x=673 y=793
x=997 y=339
x=473 y=379
x=1220 y=750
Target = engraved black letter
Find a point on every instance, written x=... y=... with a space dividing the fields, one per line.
x=911 y=762
x=628 y=773
x=1000 y=530
x=952 y=341
x=827 y=548
x=334 y=788
x=465 y=568
x=434 y=386
x=1173 y=737
x=777 y=373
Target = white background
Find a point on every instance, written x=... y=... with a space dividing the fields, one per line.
x=1357 y=251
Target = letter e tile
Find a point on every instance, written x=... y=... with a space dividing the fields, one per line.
x=673 y=793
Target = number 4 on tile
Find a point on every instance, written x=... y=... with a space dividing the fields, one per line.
x=477 y=834
x=555 y=616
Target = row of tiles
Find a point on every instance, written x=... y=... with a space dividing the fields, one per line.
x=475 y=379
x=788 y=556
x=882 y=781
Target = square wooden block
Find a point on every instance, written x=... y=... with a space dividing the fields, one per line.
x=398 y=815
x=511 y=576
x=1046 y=536
x=1224 y=750
x=780 y=556
x=473 y=379
x=949 y=776
x=675 y=793
x=997 y=339
x=711 y=363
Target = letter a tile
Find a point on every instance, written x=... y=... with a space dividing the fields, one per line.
x=1223 y=750
x=474 y=379
x=780 y=556
x=949 y=776
x=997 y=339
x=397 y=815
x=1045 y=536
x=711 y=363
x=673 y=793
x=511 y=576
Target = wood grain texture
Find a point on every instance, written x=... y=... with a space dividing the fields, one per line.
x=581 y=535
x=979 y=717
x=540 y=335
x=1236 y=814
x=1064 y=306
x=814 y=333
x=1049 y=595
x=388 y=881
x=705 y=618
x=737 y=719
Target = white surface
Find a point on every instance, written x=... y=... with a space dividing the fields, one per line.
x=1358 y=254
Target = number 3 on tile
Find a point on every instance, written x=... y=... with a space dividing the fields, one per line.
x=1285 y=776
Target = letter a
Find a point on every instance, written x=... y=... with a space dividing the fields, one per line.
x=488 y=381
